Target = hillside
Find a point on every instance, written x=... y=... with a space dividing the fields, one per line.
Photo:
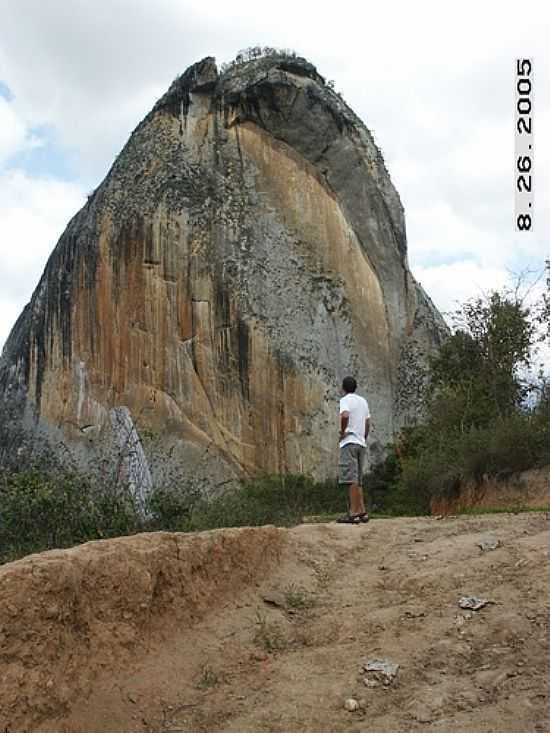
x=266 y=630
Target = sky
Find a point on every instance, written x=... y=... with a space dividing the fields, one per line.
x=433 y=81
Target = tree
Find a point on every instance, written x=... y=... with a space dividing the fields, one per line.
x=478 y=420
x=544 y=310
x=484 y=362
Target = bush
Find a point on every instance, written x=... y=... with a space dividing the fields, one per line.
x=170 y=510
x=39 y=511
x=437 y=463
x=480 y=421
x=385 y=491
x=281 y=500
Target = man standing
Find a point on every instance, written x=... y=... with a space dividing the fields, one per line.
x=354 y=429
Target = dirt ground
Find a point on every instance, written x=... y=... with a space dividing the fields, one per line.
x=285 y=654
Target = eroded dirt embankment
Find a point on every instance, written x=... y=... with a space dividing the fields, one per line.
x=266 y=631
x=526 y=489
x=68 y=615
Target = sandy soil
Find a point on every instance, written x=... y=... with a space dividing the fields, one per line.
x=342 y=594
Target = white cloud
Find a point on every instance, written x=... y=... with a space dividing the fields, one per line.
x=451 y=284
x=14 y=134
x=33 y=214
x=93 y=73
x=435 y=85
x=440 y=233
x=12 y=131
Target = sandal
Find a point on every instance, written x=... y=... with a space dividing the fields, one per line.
x=349 y=519
x=362 y=518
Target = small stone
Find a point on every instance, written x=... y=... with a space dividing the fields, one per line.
x=423 y=714
x=260 y=656
x=351 y=705
x=381 y=670
x=473 y=603
x=491 y=678
x=370 y=682
x=51 y=611
x=488 y=543
x=132 y=697
x=274 y=598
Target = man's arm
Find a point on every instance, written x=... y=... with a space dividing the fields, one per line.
x=344 y=420
x=367 y=427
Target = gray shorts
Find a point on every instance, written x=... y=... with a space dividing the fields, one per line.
x=350 y=465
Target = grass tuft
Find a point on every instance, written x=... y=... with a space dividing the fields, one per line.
x=268 y=634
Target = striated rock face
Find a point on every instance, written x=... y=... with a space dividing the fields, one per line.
x=245 y=252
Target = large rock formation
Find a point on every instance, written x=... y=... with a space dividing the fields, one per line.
x=245 y=252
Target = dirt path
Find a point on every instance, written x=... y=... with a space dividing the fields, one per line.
x=386 y=589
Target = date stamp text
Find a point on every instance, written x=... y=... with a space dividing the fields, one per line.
x=524 y=145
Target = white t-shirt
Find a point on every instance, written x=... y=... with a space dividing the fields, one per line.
x=358 y=409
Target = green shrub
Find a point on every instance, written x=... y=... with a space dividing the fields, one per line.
x=171 y=509
x=478 y=421
x=436 y=462
x=39 y=511
x=36 y=511
x=281 y=500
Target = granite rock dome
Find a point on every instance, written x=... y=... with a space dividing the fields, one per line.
x=245 y=252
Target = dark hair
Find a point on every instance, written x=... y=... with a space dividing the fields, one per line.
x=349 y=384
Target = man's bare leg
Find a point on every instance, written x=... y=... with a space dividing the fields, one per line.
x=356 y=501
